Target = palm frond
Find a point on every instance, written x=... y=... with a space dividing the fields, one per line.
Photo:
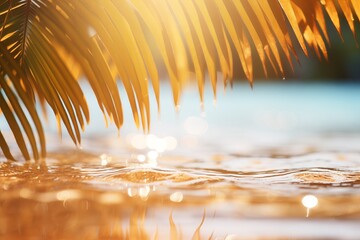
x=46 y=45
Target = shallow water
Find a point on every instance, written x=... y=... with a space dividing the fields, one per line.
x=239 y=170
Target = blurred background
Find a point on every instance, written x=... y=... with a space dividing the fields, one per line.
x=317 y=97
x=343 y=63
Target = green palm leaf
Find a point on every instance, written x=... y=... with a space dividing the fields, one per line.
x=47 y=45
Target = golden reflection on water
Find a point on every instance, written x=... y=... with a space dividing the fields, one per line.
x=158 y=196
x=252 y=185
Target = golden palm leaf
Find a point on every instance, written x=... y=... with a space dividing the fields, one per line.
x=46 y=45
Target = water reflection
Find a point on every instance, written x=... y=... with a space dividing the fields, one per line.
x=152 y=142
x=309 y=202
x=253 y=185
x=105 y=159
x=64 y=196
x=177 y=197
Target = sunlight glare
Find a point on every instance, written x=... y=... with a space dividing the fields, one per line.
x=104 y=159
x=141 y=158
x=110 y=198
x=310 y=201
x=68 y=194
x=132 y=192
x=144 y=192
x=138 y=141
x=152 y=155
x=177 y=197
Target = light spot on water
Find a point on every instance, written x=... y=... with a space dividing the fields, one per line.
x=160 y=145
x=310 y=201
x=68 y=195
x=190 y=141
x=132 y=192
x=176 y=197
x=26 y=193
x=144 y=192
x=110 y=198
x=104 y=162
x=153 y=155
x=152 y=163
x=104 y=159
x=171 y=143
x=138 y=141
x=141 y=158
x=151 y=141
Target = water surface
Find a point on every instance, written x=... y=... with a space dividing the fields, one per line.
x=237 y=170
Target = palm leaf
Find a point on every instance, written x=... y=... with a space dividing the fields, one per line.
x=47 y=45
